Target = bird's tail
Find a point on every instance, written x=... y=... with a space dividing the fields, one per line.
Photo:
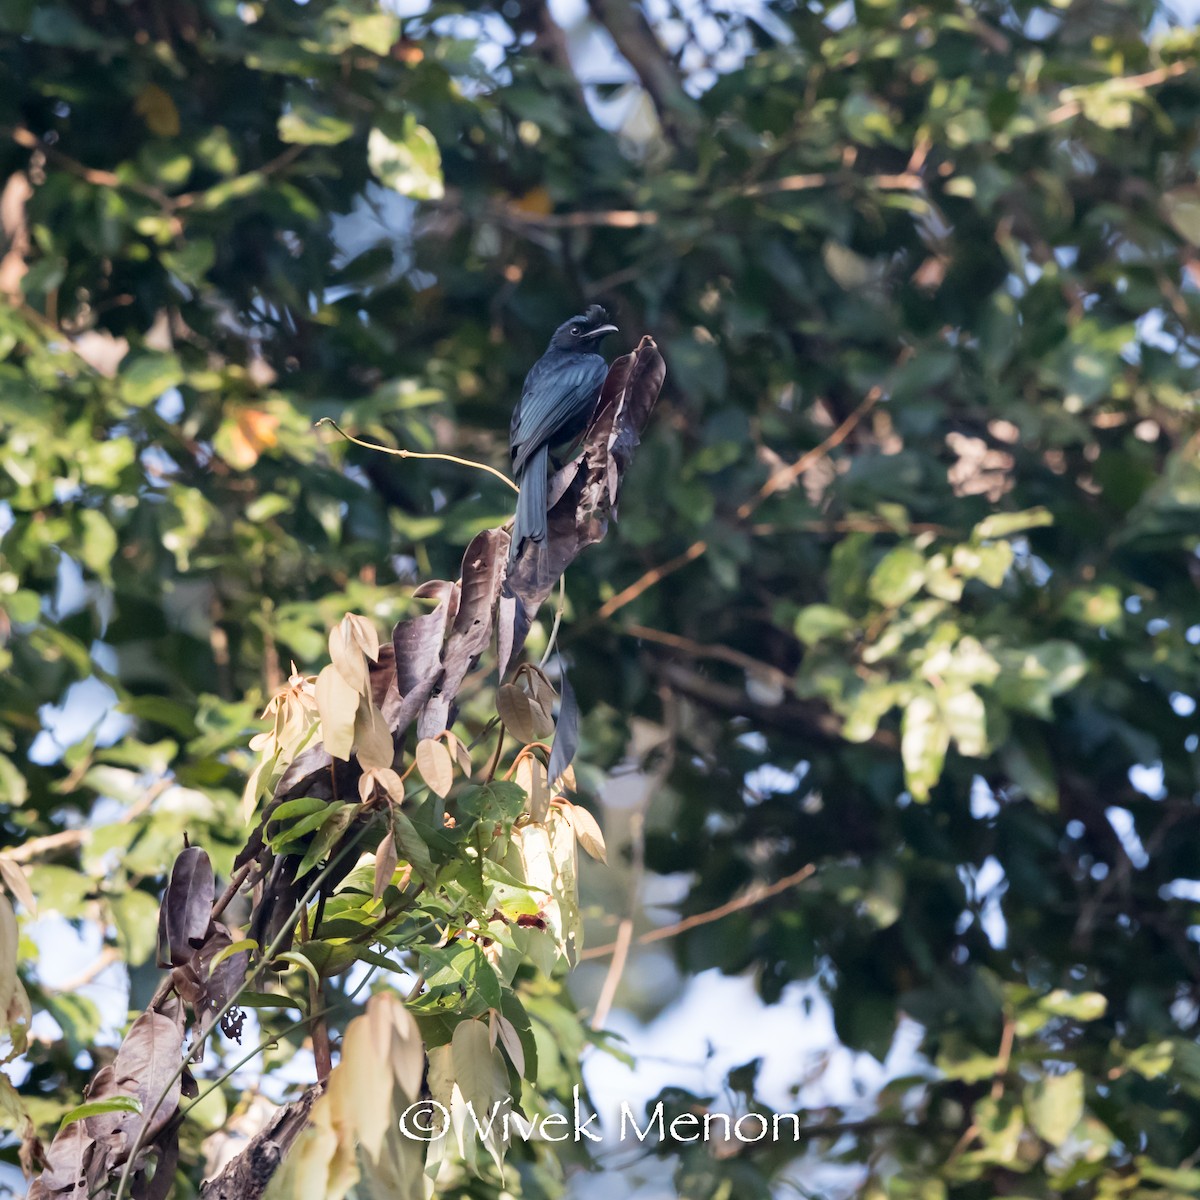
x=531 y=503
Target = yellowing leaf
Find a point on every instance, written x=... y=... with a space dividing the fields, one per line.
x=536 y=202
x=158 y=110
x=435 y=765
x=241 y=440
x=461 y=754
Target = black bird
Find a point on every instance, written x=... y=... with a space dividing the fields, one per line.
x=557 y=399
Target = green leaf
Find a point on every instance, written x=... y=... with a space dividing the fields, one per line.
x=1182 y=206
x=965 y=719
x=247 y=944
x=268 y=1000
x=1000 y=525
x=411 y=847
x=898 y=576
x=410 y=164
x=1099 y=607
x=924 y=740
x=820 y=621
x=145 y=377
x=1055 y=1106
x=465 y=967
x=331 y=830
x=294 y=832
x=306 y=124
x=97 y=1108
x=303 y=806
x=136 y=916
x=1079 y=1006
x=1032 y=677
x=299 y=959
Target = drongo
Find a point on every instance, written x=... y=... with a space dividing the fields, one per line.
x=557 y=399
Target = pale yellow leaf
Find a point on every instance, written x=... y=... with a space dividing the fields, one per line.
x=15 y=881
x=566 y=884
x=510 y=1041
x=435 y=765
x=385 y=864
x=533 y=844
x=381 y=779
x=337 y=702
x=461 y=754
x=587 y=831
x=530 y=776
x=9 y=938
x=360 y=1092
x=372 y=737
x=359 y=631
x=347 y=656
x=405 y=1049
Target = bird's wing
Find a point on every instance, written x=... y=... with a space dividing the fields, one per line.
x=553 y=399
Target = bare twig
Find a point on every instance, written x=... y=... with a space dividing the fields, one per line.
x=780 y=479
x=616 y=218
x=1004 y=1057
x=904 y=181
x=637 y=863
x=620 y=948
x=649 y=579
x=721 y=653
x=1130 y=83
x=38 y=846
x=453 y=458
x=785 y=476
x=754 y=895
x=105 y=959
x=558 y=616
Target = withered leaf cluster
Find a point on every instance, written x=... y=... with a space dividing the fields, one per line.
x=134 y=1101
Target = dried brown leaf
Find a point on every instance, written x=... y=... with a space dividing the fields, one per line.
x=482 y=574
x=187 y=905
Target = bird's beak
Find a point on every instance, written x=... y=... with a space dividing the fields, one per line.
x=601 y=331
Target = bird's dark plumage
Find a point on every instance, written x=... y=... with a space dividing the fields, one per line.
x=557 y=399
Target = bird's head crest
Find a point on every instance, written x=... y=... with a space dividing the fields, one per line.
x=583 y=332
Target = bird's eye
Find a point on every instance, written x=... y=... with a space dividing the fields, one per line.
x=575 y=330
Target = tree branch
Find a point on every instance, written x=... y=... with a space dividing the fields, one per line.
x=631 y=32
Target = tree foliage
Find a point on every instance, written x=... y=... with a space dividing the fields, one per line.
x=904 y=583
